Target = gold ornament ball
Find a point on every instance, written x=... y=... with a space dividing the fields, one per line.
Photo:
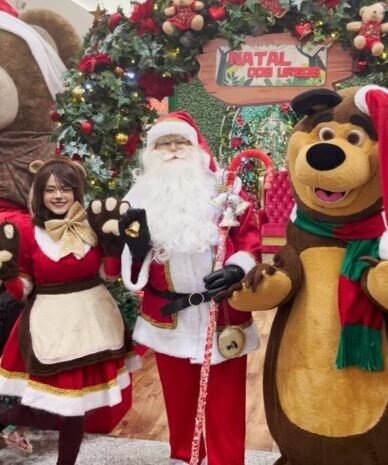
x=77 y=92
x=118 y=71
x=121 y=138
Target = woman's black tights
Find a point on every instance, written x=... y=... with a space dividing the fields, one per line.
x=71 y=429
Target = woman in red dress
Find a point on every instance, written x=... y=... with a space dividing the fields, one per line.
x=68 y=355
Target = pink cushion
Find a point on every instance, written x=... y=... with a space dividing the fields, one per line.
x=274 y=229
x=278 y=203
x=278 y=200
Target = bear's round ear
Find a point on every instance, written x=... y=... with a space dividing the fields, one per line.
x=312 y=101
x=81 y=169
x=35 y=166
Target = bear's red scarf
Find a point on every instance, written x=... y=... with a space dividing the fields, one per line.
x=361 y=320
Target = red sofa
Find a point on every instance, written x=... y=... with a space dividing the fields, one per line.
x=273 y=216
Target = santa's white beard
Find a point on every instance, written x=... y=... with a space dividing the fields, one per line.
x=176 y=195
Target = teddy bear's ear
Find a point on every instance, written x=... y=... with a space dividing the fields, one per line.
x=57 y=29
x=81 y=169
x=311 y=101
x=35 y=166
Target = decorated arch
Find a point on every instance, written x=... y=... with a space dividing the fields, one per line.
x=130 y=64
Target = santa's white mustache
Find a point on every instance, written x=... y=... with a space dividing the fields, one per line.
x=167 y=155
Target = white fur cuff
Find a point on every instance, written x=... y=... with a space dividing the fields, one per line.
x=360 y=97
x=126 y=270
x=242 y=259
x=167 y=128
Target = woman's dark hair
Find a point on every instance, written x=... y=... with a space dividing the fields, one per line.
x=66 y=173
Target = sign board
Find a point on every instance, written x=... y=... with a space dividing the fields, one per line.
x=272 y=68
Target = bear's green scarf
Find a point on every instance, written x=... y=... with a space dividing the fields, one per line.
x=361 y=320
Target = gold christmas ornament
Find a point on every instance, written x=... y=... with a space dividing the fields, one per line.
x=133 y=229
x=121 y=138
x=231 y=341
x=118 y=71
x=78 y=92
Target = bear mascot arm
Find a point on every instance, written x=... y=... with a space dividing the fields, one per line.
x=267 y=286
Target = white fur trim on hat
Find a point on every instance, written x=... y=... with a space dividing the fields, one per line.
x=46 y=57
x=360 y=97
x=167 y=128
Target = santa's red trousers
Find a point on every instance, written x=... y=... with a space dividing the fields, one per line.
x=225 y=408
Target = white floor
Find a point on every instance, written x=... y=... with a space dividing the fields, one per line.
x=106 y=450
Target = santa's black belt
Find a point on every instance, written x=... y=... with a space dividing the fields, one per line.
x=180 y=301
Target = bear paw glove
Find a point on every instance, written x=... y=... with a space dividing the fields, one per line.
x=103 y=217
x=9 y=250
x=263 y=288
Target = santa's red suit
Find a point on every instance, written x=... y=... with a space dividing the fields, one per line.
x=179 y=340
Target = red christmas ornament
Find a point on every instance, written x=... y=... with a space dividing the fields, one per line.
x=303 y=30
x=54 y=115
x=86 y=127
x=217 y=13
x=76 y=157
x=362 y=65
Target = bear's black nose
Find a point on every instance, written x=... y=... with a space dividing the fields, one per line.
x=324 y=157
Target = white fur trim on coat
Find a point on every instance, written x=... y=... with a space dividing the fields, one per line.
x=167 y=128
x=182 y=344
x=34 y=394
x=52 y=248
x=360 y=96
x=242 y=259
x=126 y=270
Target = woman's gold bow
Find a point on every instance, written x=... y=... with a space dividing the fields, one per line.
x=72 y=231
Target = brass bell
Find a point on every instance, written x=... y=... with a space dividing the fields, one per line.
x=231 y=341
x=133 y=229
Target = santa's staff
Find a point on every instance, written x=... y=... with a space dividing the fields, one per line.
x=233 y=205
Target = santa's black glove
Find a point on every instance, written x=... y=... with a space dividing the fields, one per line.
x=135 y=233
x=218 y=282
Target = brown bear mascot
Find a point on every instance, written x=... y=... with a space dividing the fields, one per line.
x=326 y=366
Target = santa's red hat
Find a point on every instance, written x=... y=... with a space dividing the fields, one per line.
x=182 y=124
x=373 y=100
x=7 y=8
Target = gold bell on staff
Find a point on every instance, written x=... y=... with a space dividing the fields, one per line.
x=231 y=341
x=133 y=229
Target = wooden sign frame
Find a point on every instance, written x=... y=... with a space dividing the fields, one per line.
x=339 y=68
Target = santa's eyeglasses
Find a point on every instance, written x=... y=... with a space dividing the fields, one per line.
x=171 y=142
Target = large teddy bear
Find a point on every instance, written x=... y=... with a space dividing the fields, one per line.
x=32 y=63
x=326 y=366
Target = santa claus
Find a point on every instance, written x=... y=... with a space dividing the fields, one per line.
x=171 y=238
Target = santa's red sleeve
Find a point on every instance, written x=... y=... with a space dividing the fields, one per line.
x=243 y=246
